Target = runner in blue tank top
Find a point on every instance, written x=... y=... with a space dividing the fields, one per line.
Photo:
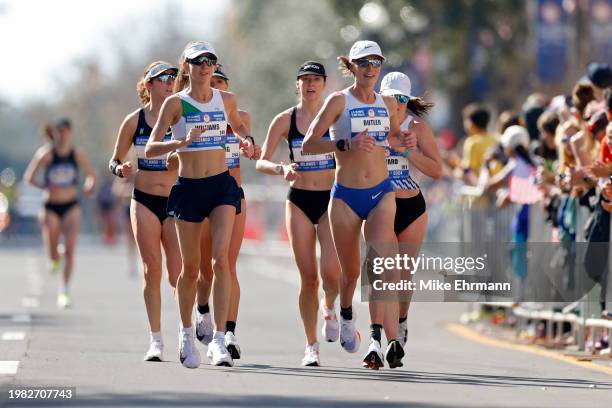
x=152 y=183
x=198 y=115
x=411 y=212
x=361 y=121
x=61 y=215
x=311 y=177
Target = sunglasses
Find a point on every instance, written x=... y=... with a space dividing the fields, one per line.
x=166 y=78
x=403 y=99
x=202 y=59
x=364 y=62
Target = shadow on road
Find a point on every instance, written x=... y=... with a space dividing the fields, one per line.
x=420 y=377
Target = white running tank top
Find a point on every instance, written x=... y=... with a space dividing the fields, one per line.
x=399 y=166
x=210 y=117
x=357 y=116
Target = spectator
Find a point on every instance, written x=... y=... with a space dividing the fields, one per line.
x=475 y=121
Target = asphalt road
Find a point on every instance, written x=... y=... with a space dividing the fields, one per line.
x=97 y=347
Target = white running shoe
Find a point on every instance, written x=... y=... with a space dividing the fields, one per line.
x=374 y=357
x=189 y=355
x=156 y=350
x=231 y=343
x=402 y=333
x=219 y=356
x=331 y=327
x=204 y=327
x=350 y=338
x=311 y=355
x=63 y=301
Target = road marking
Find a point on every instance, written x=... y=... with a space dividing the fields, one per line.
x=13 y=336
x=9 y=367
x=21 y=318
x=473 y=335
x=30 y=302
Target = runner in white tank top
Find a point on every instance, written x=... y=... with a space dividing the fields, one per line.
x=360 y=121
x=411 y=212
x=199 y=115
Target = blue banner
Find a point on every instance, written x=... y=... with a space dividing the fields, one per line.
x=551 y=41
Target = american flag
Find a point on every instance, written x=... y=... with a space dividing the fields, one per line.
x=522 y=187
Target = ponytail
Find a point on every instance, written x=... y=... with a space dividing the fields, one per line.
x=419 y=106
x=182 y=79
x=345 y=65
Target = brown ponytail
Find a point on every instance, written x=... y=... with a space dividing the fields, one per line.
x=47 y=131
x=345 y=65
x=419 y=106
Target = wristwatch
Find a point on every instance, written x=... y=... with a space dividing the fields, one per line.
x=341 y=145
x=278 y=169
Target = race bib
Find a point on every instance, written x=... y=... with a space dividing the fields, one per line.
x=311 y=161
x=397 y=165
x=157 y=163
x=232 y=151
x=373 y=118
x=212 y=124
x=62 y=175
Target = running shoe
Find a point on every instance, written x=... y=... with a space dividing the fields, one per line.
x=394 y=354
x=232 y=345
x=374 y=357
x=331 y=327
x=218 y=352
x=54 y=267
x=402 y=333
x=350 y=338
x=156 y=350
x=204 y=327
x=311 y=355
x=63 y=301
x=188 y=353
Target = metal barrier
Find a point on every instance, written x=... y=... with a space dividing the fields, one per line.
x=482 y=221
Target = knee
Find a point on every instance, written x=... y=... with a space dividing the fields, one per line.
x=220 y=261
x=190 y=272
x=310 y=283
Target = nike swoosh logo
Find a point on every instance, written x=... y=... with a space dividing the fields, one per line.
x=369 y=46
x=376 y=195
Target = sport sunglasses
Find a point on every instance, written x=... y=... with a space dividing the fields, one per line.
x=202 y=59
x=364 y=62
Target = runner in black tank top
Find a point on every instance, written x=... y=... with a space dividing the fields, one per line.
x=153 y=180
x=61 y=213
x=310 y=178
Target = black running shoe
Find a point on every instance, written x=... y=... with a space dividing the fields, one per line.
x=394 y=354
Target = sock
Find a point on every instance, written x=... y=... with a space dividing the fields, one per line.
x=156 y=336
x=230 y=327
x=403 y=319
x=187 y=330
x=346 y=312
x=203 y=309
x=375 y=331
x=218 y=335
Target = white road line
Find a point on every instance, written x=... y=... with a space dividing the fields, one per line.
x=21 y=318
x=9 y=367
x=13 y=336
x=30 y=302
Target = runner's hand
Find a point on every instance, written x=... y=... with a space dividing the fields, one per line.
x=363 y=141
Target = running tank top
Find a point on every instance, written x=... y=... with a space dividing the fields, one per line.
x=357 y=116
x=63 y=171
x=232 y=149
x=307 y=161
x=209 y=116
x=140 y=139
x=399 y=166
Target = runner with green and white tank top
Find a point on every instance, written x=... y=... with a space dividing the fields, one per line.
x=198 y=115
x=204 y=327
